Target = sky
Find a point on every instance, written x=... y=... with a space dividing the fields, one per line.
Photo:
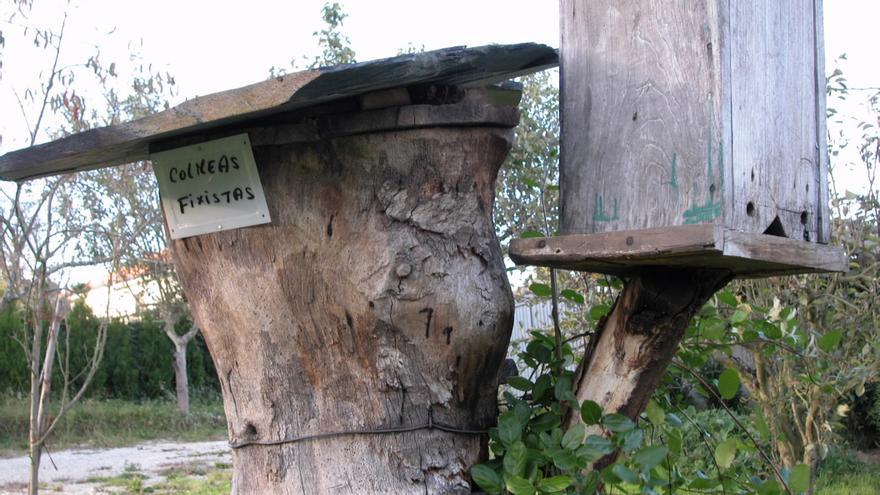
x=210 y=46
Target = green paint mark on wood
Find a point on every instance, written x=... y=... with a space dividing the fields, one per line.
x=673 y=176
x=710 y=209
x=599 y=214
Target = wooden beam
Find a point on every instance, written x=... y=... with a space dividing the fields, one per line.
x=695 y=246
x=129 y=142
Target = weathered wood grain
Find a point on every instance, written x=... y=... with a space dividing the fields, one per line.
x=375 y=299
x=777 y=159
x=641 y=106
x=823 y=213
x=131 y=141
x=713 y=247
x=708 y=112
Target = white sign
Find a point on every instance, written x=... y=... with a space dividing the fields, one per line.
x=210 y=186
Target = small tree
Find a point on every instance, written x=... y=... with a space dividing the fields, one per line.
x=50 y=226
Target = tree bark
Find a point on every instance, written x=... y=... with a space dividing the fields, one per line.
x=36 y=451
x=376 y=299
x=181 y=380
x=635 y=343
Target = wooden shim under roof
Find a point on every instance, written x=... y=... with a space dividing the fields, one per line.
x=129 y=142
x=705 y=246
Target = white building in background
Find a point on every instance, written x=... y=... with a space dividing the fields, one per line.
x=124 y=294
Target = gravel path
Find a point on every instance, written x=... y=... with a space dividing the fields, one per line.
x=76 y=466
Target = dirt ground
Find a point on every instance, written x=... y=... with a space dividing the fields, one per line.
x=75 y=471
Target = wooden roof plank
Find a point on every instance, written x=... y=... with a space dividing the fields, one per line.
x=128 y=142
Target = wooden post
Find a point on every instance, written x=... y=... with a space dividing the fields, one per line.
x=635 y=342
x=375 y=300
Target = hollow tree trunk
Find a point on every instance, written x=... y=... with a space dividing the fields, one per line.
x=375 y=299
x=637 y=340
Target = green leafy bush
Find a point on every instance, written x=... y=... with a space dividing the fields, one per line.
x=138 y=360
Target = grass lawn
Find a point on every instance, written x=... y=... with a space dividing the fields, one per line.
x=843 y=474
x=114 y=423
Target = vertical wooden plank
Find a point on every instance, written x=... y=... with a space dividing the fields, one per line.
x=642 y=114
x=823 y=215
x=727 y=190
x=774 y=117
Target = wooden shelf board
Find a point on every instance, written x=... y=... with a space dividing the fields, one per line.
x=696 y=246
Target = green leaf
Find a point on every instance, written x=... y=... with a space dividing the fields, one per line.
x=544 y=422
x=572 y=296
x=544 y=383
x=588 y=455
x=608 y=476
x=830 y=340
x=565 y=460
x=600 y=444
x=522 y=411
x=599 y=311
x=519 y=486
x=728 y=383
x=509 y=430
x=770 y=330
x=520 y=383
x=624 y=473
x=713 y=328
x=739 y=316
x=563 y=389
x=632 y=440
x=770 y=487
x=728 y=298
x=487 y=478
x=591 y=412
x=554 y=484
x=515 y=459
x=656 y=414
x=591 y=482
x=725 y=453
x=574 y=437
x=649 y=457
x=799 y=479
x=703 y=483
x=539 y=351
x=617 y=422
x=674 y=441
x=674 y=420
x=541 y=290
x=531 y=234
